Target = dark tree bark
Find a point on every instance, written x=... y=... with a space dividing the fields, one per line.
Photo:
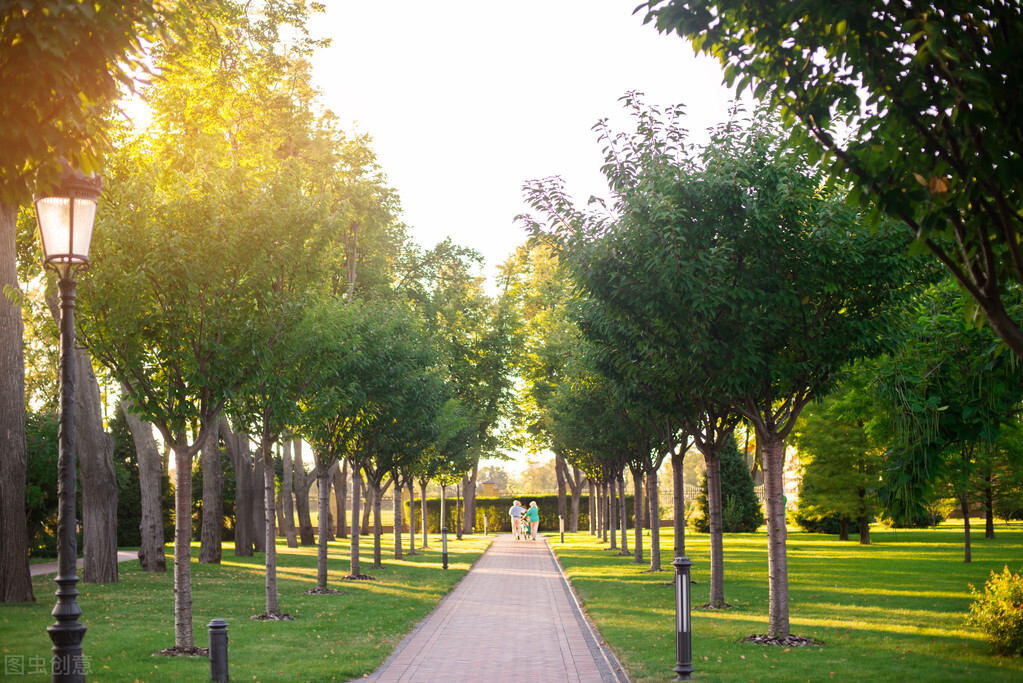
x=561 y=470
x=655 y=521
x=843 y=528
x=237 y=450
x=989 y=508
x=964 y=503
x=612 y=505
x=679 y=500
x=717 y=555
x=210 y=546
x=356 y=500
x=339 y=480
x=15 y=578
x=576 y=481
x=864 y=530
x=301 y=482
x=411 y=484
x=624 y=516
x=258 y=501
x=422 y=512
x=367 y=508
x=288 y=497
x=593 y=507
x=323 y=525
x=637 y=511
x=99 y=482
x=458 y=510
x=398 y=550
x=151 y=555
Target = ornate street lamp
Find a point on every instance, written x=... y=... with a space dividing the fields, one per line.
x=683 y=625
x=65 y=226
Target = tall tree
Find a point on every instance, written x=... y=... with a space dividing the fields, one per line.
x=739 y=273
x=61 y=67
x=935 y=81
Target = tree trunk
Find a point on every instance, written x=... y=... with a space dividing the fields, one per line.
x=356 y=501
x=340 y=481
x=279 y=504
x=273 y=608
x=575 y=482
x=561 y=470
x=301 y=482
x=99 y=482
x=989 y=508
x=183 y=638
x=655 y=521
x=469 y=496
x=397 y=521
x=211 y=538
x=605 y=513
x=717 y=570
x=843 y=528
x=637 y=511
x=378 y=531
x=679 y=501
x=15 y=578
x=612 y=507
x=422 y=512
x=773 y=452
x=241 y=461
x=151 y=555
x=458 y=512
x=964 y=503
x=288 y=496
x=323 y=527
x=624 y=516
x=593 y=508
x=412 y=517
x=864 y=530
x=367 y=509
x=258 y=503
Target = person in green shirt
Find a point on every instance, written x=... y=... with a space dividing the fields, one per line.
x=533 y=516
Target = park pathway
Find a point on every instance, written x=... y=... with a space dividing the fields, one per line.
x=514 y=619
x=51 y=567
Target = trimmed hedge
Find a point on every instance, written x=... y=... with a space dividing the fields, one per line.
x=498 y=519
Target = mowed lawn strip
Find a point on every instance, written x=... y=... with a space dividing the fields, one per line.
x=892 y=610
x=333 y=637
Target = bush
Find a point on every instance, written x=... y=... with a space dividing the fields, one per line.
x=998 y=612
x=741 y=512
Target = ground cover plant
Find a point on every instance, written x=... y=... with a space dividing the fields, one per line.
x=895 y=609
x=333 y=637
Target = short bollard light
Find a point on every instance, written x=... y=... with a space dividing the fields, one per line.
x=444 y=545
x=218 y=650
x=561 y=523
x=683 y=632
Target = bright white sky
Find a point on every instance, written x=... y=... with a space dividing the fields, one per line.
x=465 y=101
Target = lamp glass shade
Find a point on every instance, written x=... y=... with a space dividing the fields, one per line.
x=65 y=226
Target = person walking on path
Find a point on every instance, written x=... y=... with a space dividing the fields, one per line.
x=533 y=515
x=512 y=619
x=516 y=511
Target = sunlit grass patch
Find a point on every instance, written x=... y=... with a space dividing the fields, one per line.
x=888 y=611
x=333 y=637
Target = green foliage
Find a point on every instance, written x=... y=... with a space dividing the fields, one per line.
x=41 y=483
x=911 y=105
x=998 y=612
x=741 y=511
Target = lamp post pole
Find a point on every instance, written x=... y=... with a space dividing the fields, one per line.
x=683 y=632
x=65 y=226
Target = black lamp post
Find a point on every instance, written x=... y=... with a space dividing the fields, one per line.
x=65 y=226
x=683 y=631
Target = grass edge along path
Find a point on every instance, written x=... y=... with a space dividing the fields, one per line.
x=892 y=610
x=333 y=637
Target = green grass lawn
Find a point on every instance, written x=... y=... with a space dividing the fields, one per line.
x=889 y=611
x=333 y=637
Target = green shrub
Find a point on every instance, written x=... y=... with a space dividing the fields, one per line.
x=741 y=511
x=998 y=612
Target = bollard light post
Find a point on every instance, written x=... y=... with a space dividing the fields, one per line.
x=683 y=633
x=444 y=546
x=65 y=221
x=561 y=524
x=218 y=651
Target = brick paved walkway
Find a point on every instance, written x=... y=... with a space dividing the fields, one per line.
x=512 y=618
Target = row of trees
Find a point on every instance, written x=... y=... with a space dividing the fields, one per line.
x=251 y=283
